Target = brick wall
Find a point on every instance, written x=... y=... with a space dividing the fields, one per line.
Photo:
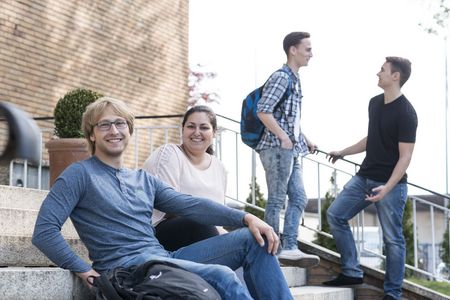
x=136 y=51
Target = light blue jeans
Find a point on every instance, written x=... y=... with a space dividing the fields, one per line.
x=214 y=259
x=349 y=202
x=284 y=177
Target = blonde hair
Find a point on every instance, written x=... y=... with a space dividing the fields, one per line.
x=95 y=110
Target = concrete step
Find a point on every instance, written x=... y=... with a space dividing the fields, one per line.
x=18 y=283
x=21 y=198
x=18 y=212
x=18 y=251
x=294 y=276
x=20 y=222
x=21 y=283
x=321 y=293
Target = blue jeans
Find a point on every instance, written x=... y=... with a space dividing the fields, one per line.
x=214 y=259
x=284 y=177
x=350 y=202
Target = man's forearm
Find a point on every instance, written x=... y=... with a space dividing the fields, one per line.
x=201 y=210
x=402 y=165
x=356 y=148
x=51 y=242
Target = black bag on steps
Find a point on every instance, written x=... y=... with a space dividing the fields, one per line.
x=153 y=280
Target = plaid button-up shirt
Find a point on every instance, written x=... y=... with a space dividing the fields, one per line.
x=285 y=114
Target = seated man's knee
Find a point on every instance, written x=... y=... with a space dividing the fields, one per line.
x=243 y=234
x=245 y=237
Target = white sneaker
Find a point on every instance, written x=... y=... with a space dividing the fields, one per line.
x=295 y=257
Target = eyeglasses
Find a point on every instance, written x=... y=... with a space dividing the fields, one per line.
x=106 y=125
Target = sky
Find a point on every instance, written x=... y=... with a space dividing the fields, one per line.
x=241 y=41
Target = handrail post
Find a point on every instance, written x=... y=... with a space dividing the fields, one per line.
x=166 y=135
x=319 y=199
x=150 y=140
x=136 y=147
x=433 y=246
x=362 y=230
x=358 y=227
x=39 y=185
x=11 y=173
x=253 y=177
x=237 y=165
x=416 y=263
x=25 y=173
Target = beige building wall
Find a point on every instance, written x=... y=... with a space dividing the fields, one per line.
x=132 y=50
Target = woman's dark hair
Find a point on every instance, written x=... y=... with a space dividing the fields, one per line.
x=212 y=119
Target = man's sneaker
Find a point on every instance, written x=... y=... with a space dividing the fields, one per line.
x=342 y=279
x=297 y=258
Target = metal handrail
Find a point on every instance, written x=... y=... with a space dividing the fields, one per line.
x=220 y=143
x=360 y=240
x=409 y=183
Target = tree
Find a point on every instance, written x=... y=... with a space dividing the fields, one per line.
x=440 y=19
x=322 y=240
x=260 y=201
x=445 y=247
x=408 y=233
x=199 y=90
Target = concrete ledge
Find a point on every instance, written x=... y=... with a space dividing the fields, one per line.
x=17 y=251
x=21 y=198
x=322 y=293
x=20 y=222
x=41 y=284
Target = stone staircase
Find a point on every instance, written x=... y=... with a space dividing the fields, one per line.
x=25 y=273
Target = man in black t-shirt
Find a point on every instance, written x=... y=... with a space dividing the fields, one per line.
x=381 y=180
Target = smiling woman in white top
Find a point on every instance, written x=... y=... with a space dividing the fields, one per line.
x=190 y=168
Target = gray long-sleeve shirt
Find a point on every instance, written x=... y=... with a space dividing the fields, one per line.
x=111 y=210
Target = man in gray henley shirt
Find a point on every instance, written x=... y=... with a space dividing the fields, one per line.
x=111 y=208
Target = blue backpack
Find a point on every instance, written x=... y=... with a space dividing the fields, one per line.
x=252 y=128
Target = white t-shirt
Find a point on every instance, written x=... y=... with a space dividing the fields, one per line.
x=170 y=164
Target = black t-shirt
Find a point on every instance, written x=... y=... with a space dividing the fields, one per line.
x=389 y=124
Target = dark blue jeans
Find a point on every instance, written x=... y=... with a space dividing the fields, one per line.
x=350 y=202
x=214 y=259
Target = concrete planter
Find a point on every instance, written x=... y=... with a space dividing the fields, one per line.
x=63 y=152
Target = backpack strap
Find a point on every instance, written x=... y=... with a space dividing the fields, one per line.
x=288 y=91
x=102 y=282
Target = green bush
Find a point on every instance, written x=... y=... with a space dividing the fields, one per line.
x=69 y=112
x=445 y=249
x=260 y=201
x=320 y=239
x=408 y=233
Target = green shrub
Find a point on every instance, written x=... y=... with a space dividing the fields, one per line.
x=260 y=201
x=69 y=112
x=445 y=248
x=320 y=239
x=408 y=233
